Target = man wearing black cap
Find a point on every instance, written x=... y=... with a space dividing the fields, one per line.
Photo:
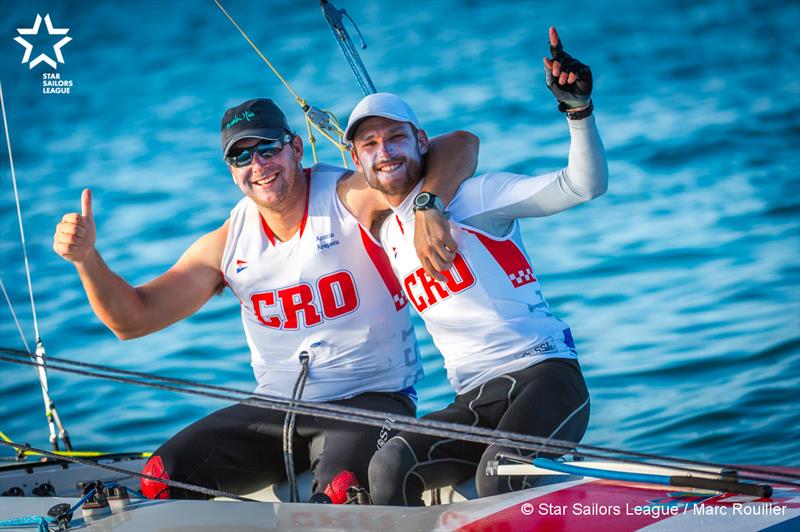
x=318 y=301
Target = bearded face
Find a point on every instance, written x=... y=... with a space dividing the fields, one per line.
x=389 y=153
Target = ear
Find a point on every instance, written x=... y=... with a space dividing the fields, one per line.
x=233 y=175
x=422 y=141
x=297 y=146
x=354 y=157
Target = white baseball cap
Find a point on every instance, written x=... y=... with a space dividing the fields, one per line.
x=382 y=104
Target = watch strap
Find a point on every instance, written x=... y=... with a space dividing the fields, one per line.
x=578 y=115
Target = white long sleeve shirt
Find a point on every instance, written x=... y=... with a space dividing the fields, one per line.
x=491 y=318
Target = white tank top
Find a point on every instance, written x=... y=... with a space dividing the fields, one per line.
x=491 y=317
x=329 y=290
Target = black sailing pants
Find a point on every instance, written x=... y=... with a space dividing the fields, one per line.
x=548 y=399
x=239 y=449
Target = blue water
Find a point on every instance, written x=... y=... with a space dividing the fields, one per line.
x=681 y=285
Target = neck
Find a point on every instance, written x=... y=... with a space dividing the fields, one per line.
x=283 y=225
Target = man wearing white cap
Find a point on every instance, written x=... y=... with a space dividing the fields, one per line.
x=319 y=306
x=512 y=363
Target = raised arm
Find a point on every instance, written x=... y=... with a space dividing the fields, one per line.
x=129 y=311
x=493 y=201
x=496 y=200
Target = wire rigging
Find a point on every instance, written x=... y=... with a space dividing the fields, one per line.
x=56 y=427
x=334 y=17
x=373 y=418
x=323 y=121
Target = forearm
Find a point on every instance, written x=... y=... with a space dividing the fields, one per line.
x=586 y=174
x=118 y=304
x=452 y=159
x=501 y=198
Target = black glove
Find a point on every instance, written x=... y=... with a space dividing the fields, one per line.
x=569 y=95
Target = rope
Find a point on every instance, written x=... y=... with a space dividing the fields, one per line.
x=334 y=18
x=288 y=428
x=19 y=214
x=422 y=426
x=127 y=473
x=297 y=97
x=53 y=420
x=85 y=454
x=41 y=522
x=314 y=116
x=14 y=315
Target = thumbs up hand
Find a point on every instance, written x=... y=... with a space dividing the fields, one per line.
x=75 y=234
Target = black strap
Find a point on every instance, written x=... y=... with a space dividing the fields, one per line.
x=577 y=115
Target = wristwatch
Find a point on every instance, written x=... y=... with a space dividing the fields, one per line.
x=578 y=115
x=426 y=200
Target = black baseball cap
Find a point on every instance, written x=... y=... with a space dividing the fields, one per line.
x=259 y=118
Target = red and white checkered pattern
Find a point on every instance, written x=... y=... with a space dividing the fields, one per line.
x=400 y=300
x=522 y=277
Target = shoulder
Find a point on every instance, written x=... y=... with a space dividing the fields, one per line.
x=470 y=190
x=485 y=184
x=326 y=179
x=479 y=193
x=347 y=180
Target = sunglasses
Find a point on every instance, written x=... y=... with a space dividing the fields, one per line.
x=265 y=149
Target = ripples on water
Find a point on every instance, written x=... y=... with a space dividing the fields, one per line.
x=682 y=284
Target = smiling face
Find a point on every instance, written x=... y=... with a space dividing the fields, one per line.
x=389 y=154
x=274 y=183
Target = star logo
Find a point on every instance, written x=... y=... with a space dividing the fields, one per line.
x=35 y=31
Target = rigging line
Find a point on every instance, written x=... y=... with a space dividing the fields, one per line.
x=334 y=18
x=316 y=116
x=313 y=407
x=53 y=420
x=400 y=424
x=19 y=213
x=300 y=100
x=14 y=315
x=423 y=426
x=284 y=405
x=342 y=413
x=126 y=472
x=552 y=443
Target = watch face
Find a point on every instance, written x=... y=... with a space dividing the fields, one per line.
x=422 y=199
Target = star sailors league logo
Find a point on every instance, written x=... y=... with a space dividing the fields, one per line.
x=51 y=81
x=42 y=57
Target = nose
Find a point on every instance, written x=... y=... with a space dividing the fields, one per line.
x=258 y=161
x=384 y=149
